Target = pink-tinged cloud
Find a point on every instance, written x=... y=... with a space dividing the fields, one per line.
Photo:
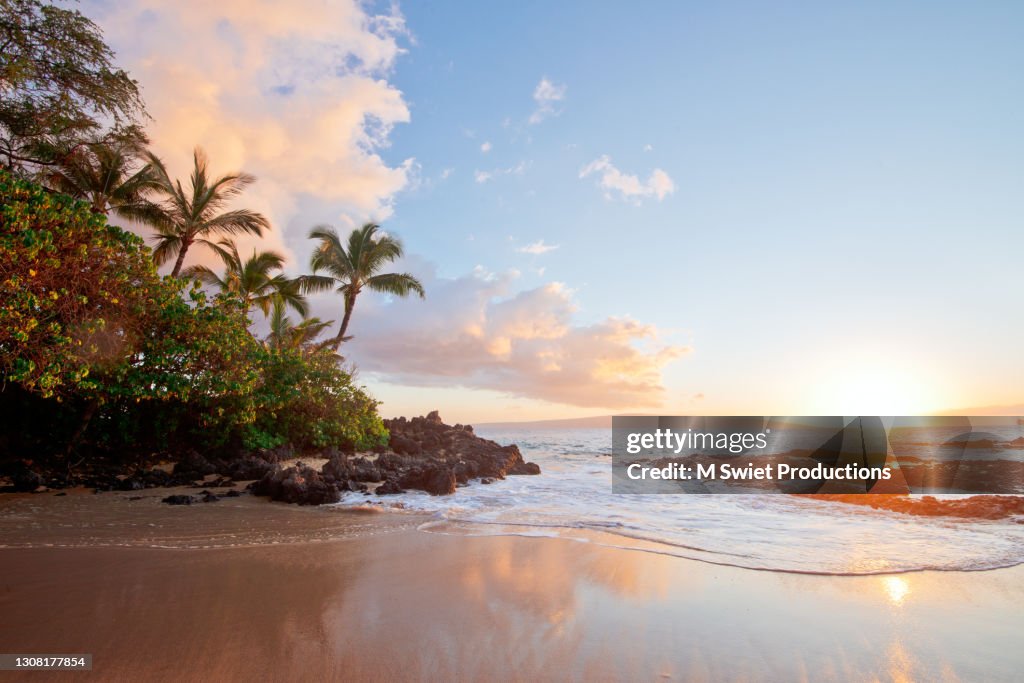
x=294 y=92
x=473 y=332
x=627 y=185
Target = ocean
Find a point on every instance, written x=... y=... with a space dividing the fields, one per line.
x=573 y=499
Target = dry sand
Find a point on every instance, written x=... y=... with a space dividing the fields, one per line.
x=387 y=602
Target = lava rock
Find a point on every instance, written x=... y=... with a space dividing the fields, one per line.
x=26 y=480
x=300 y=484
x=389 y=487
x=179 y=500
x=131 y=484
x=435 y=479
x=193 y=466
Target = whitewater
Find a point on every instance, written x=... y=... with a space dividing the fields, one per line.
x=573 y=499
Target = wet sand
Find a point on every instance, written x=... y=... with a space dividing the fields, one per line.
x=403 y=604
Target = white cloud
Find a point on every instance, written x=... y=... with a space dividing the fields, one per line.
x=548 y=97
x=474 y=331
x=485 y=176
x=537 y=248
x=296 y=94
x=447 y=173
x=648 y=148
x=626 y=185
x=486 y=147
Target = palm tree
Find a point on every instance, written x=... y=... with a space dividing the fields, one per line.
x=285 y=334
x=354 y=267
x=105 y=174
x=183 y=218
x=253 y=279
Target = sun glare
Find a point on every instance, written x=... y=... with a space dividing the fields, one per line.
x=896 y=588
x=872 y=387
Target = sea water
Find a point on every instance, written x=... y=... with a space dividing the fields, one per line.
x=573 y=498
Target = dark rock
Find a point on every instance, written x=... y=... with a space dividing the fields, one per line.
x=209 y=497
x=131 y=484
x=525 y=468
x=388 y=487
x=392 y=462
x=179 y=500
x=249 y=467
x=26 y=480
x=300 y=484
x=274 y=455
x=342 y=467
x=194 y=466
x=405 y=446
x=62 y=493
x=432 y=456
x=434 y=478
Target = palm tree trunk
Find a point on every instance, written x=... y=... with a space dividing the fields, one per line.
x=350 y=302
x=180 y=259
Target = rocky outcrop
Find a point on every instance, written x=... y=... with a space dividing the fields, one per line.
x=300 y=484
x=423 y=454
x=428 y=455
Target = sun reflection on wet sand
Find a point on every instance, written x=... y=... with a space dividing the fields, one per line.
x=415 y=606
x=897 y=588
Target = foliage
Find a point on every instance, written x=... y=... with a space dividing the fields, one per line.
x=99 y=353
x=57 y=83
x=73 y=289
x=285 y=333
x=253 y=279
x=306 y=399
x=354 y=267
x=186 y=217
x=105 y=173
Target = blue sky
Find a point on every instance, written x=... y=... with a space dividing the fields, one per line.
x=843 y=232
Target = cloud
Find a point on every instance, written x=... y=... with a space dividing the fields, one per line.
x=537 y=248
x=485 y=176
x=548 y=97
x=295 y=93
x=474 y=331
x=626 y=185
x=486 y=147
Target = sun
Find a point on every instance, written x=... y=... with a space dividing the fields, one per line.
x=872 y=385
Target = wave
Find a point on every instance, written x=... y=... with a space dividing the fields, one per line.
x=832 y=535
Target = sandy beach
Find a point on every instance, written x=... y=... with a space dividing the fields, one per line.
x=379 y=599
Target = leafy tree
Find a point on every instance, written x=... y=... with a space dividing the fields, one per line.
x=101 y=355
x=108 y=175
x=286 y=334
x=58 y=83
x=253 y=279
x=306 y=399
x=353 y=267
x=87 y=321
x=183 y=218
x=73 y=289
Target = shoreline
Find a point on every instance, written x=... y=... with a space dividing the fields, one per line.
x=427 y=606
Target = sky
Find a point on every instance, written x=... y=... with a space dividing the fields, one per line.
x=660 y=207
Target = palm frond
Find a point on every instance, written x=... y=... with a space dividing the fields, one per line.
x=397 y=284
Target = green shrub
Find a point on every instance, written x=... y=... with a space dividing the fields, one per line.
x=98 y=353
